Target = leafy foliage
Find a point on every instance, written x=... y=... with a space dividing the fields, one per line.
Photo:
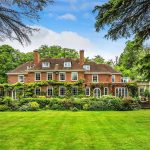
x=124 y=17
x=12 y=14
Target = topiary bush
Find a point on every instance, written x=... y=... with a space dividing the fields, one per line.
x=33 y=106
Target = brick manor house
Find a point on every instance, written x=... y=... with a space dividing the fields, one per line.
x=70 y=70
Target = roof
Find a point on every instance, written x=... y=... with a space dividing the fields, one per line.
x=58 y=65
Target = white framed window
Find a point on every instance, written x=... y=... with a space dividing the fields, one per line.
x=49 y=91
x=37 y=91
x=141 y=91
x=62 y=76
x=45 y=64
x=121 y=92
x=87 y=91
x=74 y=76
x=67 y=64
x=37 y=76
x=113 y=78
x=86 y=67
x=14 y=94
x=125 y=79
x=21 y=78
x=106 y=91
x=62 y=91
x=49 y=76
x=75 y=91
x=95 y=78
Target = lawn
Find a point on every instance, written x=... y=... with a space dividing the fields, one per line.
x=64 y=130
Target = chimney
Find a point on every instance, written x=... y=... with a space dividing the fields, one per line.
x=36 y=57
x=81 y=57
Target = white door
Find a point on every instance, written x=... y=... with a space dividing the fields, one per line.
x=97 y=92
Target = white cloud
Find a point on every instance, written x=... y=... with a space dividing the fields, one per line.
x=46 y=36
x=67 y=16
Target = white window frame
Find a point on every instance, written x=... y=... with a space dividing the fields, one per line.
x=45 y=66
x=59 y=90
x=14 y=94
x=19 y=78
x=97 y=78
x=114 y=78
x=35 y=76
x=47 y=90
x=89 y=91
x=72 y=76
x=67 y=64
x=86 y=67
x=49 y=73
x=64 y=74
x=107 y=90
x=122 y=95
x=35 y=91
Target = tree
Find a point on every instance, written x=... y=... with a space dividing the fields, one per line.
x=98 y=59
x=12 y=14
x=125 y=18
x=10 y=59
x=57 y=52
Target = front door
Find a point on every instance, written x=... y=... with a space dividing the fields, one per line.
x=97 y=92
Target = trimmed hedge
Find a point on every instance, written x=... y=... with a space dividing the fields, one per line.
x=75 y=104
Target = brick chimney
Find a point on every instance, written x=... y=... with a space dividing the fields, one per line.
x=36 y=57
x=81 y=57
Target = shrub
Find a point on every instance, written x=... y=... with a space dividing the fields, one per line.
x=33 y=106
x=73 y=108
x=24 y=108
x=56 y=107
x=85 y=107
x=4 y=108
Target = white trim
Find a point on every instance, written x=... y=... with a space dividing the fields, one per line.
x=16 y=73
x=65 y=76
x=89 y=91
x=71 y=76
x=97 y=78
x=12 y=94
x=35 y=76
x=102 y=73
x=47 y=75
x=19 y=79
x=35 y=90
x=59 y=90
x=47 y=91
x=63 y=70
x=107 y=90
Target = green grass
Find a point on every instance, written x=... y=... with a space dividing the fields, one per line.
x=64 y=130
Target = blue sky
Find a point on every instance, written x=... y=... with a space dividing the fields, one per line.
x=70 y=23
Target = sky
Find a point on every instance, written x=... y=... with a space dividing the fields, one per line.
x=70 y=24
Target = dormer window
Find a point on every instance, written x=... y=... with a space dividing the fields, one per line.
x=86 y=67
x=67 y=64
x=45 y=64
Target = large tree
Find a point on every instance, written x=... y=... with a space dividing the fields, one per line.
x=124 y=18
x=13 y=14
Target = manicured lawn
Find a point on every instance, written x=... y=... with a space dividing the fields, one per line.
x=64 y=130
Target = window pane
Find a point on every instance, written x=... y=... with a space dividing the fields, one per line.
x=38 y=76
x=49 y=76
x=87 y=91
x=95 y=78
x=21 y=78
x=62 y=91
x=50 y=91
x=105 y=91
x=62 y=76
x=113 y=78
x=37 y=91
x=74 y=76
